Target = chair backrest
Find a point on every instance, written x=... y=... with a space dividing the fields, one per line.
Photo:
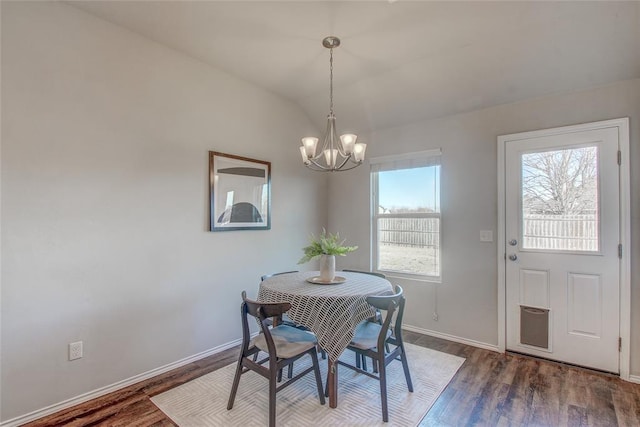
x=373 y=273
x=392 y=304
x=266 y=276
x=261 y=311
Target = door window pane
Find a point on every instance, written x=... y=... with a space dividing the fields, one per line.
x=560 y=200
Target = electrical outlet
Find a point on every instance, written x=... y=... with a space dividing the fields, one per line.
x=75 y=350
x=435 y=316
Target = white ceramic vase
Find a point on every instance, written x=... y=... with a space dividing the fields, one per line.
x=327 y=268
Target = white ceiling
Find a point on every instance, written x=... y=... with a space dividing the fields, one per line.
x=399 y=61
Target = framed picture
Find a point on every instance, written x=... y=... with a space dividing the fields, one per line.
x=240 y=193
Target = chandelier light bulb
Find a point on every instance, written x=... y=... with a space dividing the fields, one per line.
x=310 y=143
x=330 y=156
x=348 y=141
x=358 y=152
x=305 y=158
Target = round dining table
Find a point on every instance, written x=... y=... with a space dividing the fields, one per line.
x=330 y=311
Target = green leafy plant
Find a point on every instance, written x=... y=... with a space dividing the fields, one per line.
x=325 y=244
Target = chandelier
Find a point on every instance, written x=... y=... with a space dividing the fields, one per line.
x=334 y=154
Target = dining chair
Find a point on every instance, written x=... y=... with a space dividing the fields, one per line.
x=370 y=340
x=283 y=344
x=378 y=316
x=286 y=320
x=361 y=361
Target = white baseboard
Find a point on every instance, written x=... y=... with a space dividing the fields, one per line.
x=634 y=379
x=473 y=343
x=52 y=409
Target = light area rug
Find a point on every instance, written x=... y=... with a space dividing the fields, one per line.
x=203 y=401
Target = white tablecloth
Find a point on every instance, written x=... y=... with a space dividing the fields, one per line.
x=332 y=312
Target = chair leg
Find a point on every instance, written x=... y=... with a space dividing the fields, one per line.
x=316 y=371
x=234 y=387
x=272 y=398
x=357 y=355
x=405 y=366
x=290 y=371
x=326 y=385
x=364 y=362
x=383 y=390
x=322 y=352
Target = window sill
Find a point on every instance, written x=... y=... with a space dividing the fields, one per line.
x=413 y=277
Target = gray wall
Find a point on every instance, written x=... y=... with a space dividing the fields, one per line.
x=105 y=139
x=104 y=203
x=466 y=300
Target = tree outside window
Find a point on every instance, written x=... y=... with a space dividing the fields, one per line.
x=560 y=199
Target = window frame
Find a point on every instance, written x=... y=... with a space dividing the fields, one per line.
x=425 y=156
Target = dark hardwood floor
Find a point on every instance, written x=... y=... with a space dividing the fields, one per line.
x=490 y=389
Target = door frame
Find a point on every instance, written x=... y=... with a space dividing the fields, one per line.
x=622 y=124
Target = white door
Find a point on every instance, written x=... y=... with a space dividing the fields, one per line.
x=562 y=230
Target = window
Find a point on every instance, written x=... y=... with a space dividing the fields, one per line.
x=406 y=214
x=559 y=200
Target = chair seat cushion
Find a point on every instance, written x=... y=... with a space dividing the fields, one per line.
x=366 y=335
x=289 y=341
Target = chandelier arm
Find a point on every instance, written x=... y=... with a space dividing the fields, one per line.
x=319 y=155
x=346 y=159
x=318 y=166
x=325 y=143
x=332 y=136
x=351 y=167
x=340 y=150
x=315 y=166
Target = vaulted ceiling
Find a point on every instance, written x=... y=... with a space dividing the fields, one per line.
x=400 y=61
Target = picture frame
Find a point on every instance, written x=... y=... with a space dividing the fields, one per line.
x=239 y=192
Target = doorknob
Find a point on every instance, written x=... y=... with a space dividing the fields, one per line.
x=513 y=257
x=513 y=242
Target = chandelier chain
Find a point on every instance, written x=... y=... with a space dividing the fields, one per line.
x=331 y=81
